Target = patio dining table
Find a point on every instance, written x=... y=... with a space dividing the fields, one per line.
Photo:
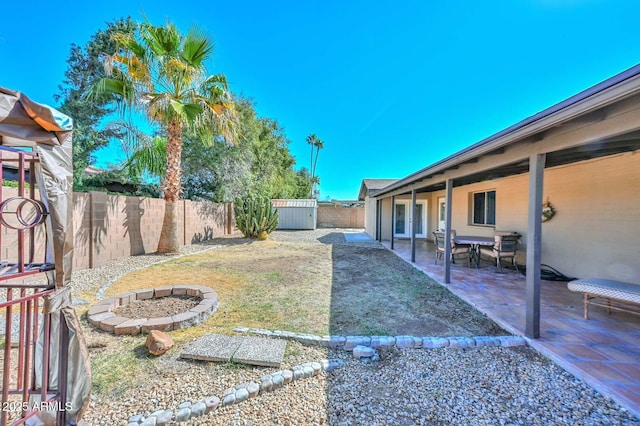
x=475 y=242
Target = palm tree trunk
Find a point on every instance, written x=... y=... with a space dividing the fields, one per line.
x=315 y=162
x=169 y=235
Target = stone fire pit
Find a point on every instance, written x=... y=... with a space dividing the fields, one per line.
x=102 y=316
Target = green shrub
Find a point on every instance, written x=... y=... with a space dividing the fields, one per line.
x=255 y=216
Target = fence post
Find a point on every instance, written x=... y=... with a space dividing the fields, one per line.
x=184 y=222
x=90 y=233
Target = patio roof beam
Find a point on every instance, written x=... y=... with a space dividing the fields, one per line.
x=534 y=244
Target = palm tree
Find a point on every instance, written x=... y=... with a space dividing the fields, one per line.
x=319 y=146
x=161 y=74
x=316 y=144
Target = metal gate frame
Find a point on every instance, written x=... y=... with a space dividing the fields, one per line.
x=23 y=395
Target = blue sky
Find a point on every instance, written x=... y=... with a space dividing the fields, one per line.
x=390 y=87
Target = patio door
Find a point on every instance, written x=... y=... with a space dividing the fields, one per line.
x=442 y=212
x=403 y=219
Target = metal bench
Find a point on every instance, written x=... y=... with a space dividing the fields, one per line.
x=617 y=295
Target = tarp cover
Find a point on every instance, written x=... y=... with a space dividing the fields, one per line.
x=24 y=123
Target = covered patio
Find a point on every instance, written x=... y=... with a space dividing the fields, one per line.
x=603 y=351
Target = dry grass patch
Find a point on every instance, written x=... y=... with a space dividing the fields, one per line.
x=264 y=284
x=301 y=287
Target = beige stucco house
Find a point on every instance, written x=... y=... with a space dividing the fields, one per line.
x=581 y=155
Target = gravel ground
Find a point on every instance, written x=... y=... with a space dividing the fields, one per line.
x=481 y=386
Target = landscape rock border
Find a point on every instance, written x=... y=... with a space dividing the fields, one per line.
x=348 y=343
x=358 y=345
x=101 y=314
x=268 y=383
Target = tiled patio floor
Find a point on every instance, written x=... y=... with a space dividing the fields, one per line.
x=604 y=351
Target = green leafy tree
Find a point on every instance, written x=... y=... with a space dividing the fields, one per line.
x=260 y=163
x=84 y=69
x=161 y=74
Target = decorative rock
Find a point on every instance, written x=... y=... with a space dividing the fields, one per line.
x=353 y=341
x=183 y=415
x=164 y=418
x=333 y=364
x=253 y=388
x=382 y=341
x=461 y=342
x=434 y=342
x=298 y=373
x=317 y=368
x=241 y=329
x=266 y=385
x=136 y=419
x=198 y=409
x=404 y=342
x=278 y=381
x=308 y=371
x=212 y=402
x=336 y=342
x=150 y=421
x=241 y=395
x=229 y=399
x=287 y=375
x=158 y=342
x=363 y=352
x=510 y=341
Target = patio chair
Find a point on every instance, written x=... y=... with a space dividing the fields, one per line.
x=456 y=249
x=505 y=247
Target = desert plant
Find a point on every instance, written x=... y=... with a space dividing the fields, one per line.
x=255 y=216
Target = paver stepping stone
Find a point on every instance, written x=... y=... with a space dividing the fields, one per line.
x=213 y=347
x=260 y=351
x=243 y=349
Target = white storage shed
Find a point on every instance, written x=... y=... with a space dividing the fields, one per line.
x=296 y=214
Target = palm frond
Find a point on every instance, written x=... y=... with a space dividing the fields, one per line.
x=188 y=112
x=197 y=47
x=112 y=86
x=164 y=41
x=150 y=157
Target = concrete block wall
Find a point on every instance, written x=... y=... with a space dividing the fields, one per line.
x=110 y=227
x=334 y=216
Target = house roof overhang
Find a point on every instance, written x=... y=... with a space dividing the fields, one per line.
x=588 y=106
x=368 y=187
